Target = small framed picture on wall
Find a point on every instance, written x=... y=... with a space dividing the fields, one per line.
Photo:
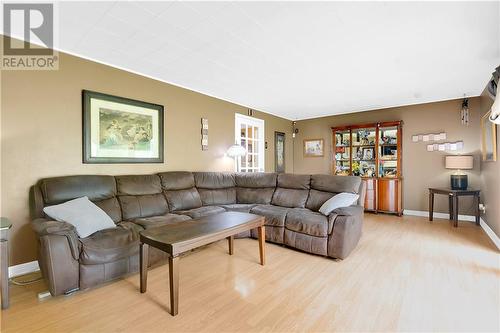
x=314 y=148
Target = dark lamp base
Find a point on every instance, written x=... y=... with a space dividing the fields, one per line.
x=459 y=182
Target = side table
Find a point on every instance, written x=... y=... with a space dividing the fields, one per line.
x=453 y=196
x=5 y=225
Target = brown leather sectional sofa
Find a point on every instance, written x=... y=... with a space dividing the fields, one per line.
x=289 y=203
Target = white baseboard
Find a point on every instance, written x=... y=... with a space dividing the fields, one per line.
x=467 y=218
x=494 y=238
x=21 y=269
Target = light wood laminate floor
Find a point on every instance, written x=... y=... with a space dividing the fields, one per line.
x=406 y=275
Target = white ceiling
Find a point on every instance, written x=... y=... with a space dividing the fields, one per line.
x=296 y=60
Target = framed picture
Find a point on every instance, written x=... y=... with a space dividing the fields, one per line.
x=488 y=139
x=279 y=152
x=121 y=130
x=313 y=148
x=368 y=153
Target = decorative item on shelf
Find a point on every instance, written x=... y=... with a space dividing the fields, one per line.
x=204 y=134
x=313 y=148
x=446 y=146
x=464 y=112
x=121 y=130
x=488 y=139
x=279 y=151
x=368 y=154
x=459 y=180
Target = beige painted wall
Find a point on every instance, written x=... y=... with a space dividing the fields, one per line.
x=421 y=169
x=41 y=133
x=490 y=177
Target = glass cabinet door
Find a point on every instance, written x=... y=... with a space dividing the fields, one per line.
x=388 y=152
x=342 y=152
x=363 y=152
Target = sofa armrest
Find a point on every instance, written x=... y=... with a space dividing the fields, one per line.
x=58 y=253
x=346 y=231
x=354 y=210
x=45 y=227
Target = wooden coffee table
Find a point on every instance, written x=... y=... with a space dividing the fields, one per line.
x=179 y=238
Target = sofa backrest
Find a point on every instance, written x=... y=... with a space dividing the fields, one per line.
x=216 y=188
x=180 y=191
x=323 y=187
x=255 y=188
x=292 y=190
x=140 y=196
x=134 y=196
x=101 y=190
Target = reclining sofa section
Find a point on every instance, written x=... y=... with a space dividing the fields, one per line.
x=288 y=202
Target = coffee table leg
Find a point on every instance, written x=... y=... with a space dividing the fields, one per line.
x=230 y=241
x=143 y=258
x=262 y=241
x=173 y=265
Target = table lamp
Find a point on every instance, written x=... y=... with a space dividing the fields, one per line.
x=459 y=180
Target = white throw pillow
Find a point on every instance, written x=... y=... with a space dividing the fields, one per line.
x=343 y=199
x=83 y=214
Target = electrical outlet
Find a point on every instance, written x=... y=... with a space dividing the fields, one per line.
x=482 y=208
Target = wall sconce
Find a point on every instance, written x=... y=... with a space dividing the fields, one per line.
x=464 y=113
x=295 y=131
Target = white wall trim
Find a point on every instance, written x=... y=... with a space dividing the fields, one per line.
x=21 y=269
x=467 y=218
x=494 y=238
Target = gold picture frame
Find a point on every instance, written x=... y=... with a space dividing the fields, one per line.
x=314 y=148
x=488 y=139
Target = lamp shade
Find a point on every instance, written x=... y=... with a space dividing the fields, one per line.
x=460 y=162
x=236 y=151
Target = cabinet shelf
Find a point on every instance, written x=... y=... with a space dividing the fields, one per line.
x=381 y=174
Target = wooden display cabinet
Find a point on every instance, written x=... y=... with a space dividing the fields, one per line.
x=373 y=152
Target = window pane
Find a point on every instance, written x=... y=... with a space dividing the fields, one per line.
x=256 y=132
x=250 y=132
x=243 y=131
x=250 y=147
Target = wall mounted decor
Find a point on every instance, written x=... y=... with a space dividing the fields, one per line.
x=488 y=139
x=446 y=146
x=279 y=152
x=428 y=137
x=313 y=148
x=121 y=130
x=464 y=112
x=204 y=134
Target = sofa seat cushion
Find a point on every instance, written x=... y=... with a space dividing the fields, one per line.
x=201 y=211
x=307 y=222
x=244 y=208
x=161 y=220
x=109 y=245
x=275 y=215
